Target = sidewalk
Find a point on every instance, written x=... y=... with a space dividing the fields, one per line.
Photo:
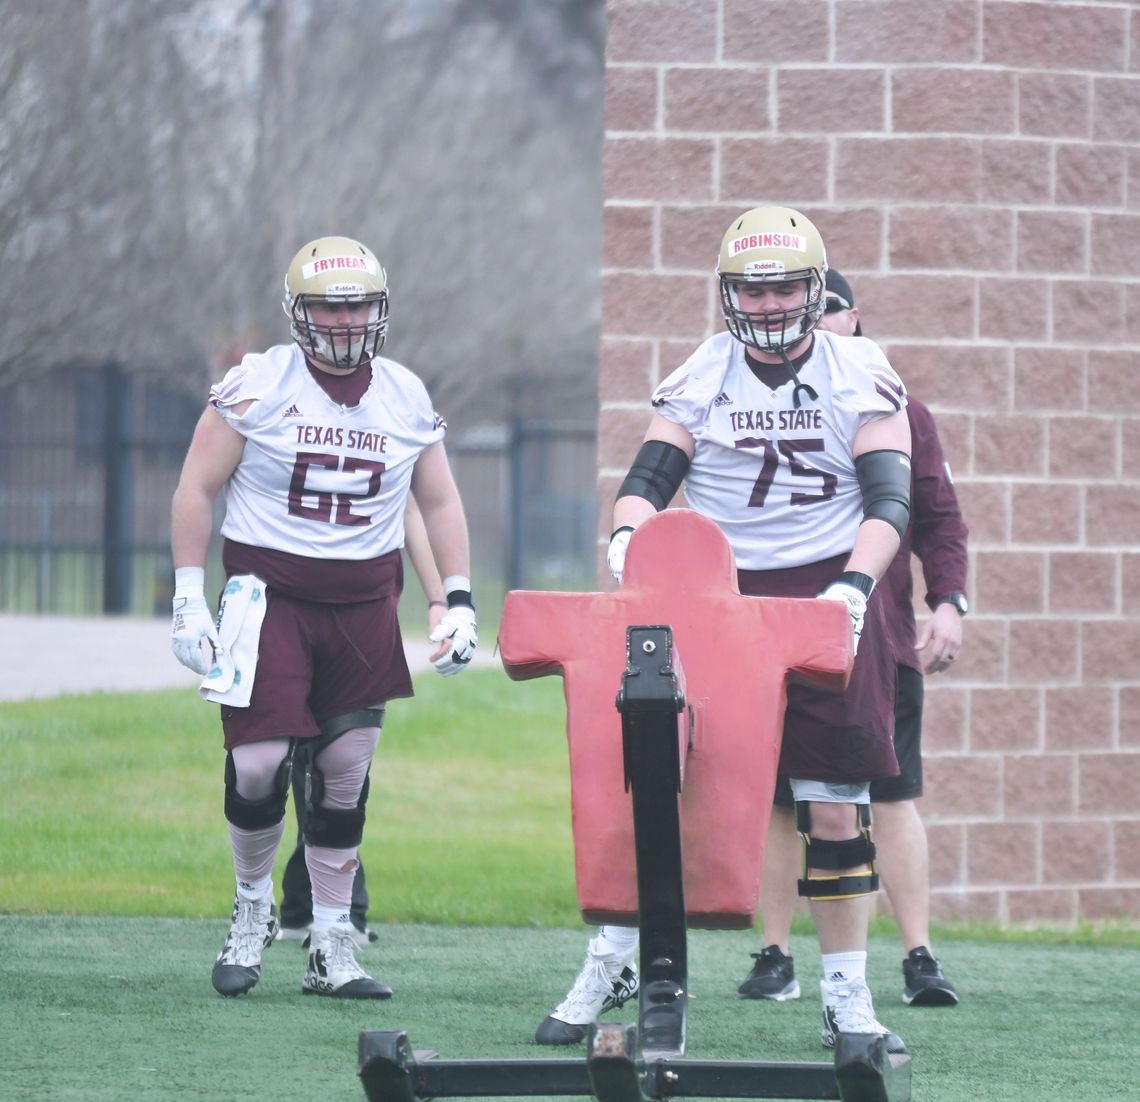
x=45 y=656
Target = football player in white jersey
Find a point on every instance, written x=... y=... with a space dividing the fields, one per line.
x=316 y=446
x=796 y=443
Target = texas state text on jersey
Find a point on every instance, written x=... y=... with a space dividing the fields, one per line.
x=779 y=480
x=318 y=478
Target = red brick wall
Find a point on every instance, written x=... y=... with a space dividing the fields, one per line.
x=974 y=167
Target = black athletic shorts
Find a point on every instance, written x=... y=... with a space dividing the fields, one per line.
x=908 y=747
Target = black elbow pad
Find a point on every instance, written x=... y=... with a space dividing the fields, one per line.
x=656 y=474
x=884 y=478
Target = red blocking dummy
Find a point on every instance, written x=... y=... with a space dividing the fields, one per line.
x=737 y=652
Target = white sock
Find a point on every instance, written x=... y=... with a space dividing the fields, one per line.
x=844 y=967
x=255 y=889
x=621 y=941
x=325 y=916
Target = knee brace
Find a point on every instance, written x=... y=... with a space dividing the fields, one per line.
x=847 y=854
x=333 y=827
x=257 y=814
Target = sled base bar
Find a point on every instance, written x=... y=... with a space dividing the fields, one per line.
x=391 y=1075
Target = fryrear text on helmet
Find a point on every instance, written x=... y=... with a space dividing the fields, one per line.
x=333 y=263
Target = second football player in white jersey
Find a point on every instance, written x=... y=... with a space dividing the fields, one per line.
x=797 y=445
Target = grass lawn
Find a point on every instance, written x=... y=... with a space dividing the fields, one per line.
x=113 y=805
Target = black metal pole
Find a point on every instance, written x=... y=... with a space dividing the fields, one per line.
x=516 y=504
x=650 y=702
x=117 y=502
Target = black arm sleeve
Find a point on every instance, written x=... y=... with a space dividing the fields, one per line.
x=884 y=478
x=656 y=474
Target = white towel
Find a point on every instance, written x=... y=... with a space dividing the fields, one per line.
x=240 y=615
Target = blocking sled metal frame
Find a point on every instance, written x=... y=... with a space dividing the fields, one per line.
x=626 y=1062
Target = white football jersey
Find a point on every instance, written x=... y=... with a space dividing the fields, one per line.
x=779 y=481
x=318 y=478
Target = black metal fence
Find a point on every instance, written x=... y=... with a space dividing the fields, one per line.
x=89 y=459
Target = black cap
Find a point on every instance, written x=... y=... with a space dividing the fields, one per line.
x=837 y=284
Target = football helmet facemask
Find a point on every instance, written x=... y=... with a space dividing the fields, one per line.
x=330 y=272
x=772 y=245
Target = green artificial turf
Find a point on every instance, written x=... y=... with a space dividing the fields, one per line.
x=101 y=1008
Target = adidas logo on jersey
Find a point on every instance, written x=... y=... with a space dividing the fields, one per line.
x=722 y=399
x=292 y=411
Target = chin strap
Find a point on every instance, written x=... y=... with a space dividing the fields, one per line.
x=796 y=379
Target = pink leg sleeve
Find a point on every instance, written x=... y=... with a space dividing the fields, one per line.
x=257 y=764
x=344 y=764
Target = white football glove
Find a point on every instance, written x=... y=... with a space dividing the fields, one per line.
x=457 y=626
x=854 y=600
x=615 y=556
x=193 y=625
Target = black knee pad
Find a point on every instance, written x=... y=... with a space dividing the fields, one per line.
x=334 y=828
x=257 y=814
x=847 y=854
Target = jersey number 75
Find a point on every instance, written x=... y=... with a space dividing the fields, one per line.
x=787 y=449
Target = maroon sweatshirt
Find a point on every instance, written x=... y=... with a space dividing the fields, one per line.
x=936 y=534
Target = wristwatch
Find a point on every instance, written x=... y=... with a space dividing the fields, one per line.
x=958 y=600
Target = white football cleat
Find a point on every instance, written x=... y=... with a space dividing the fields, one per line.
x=253 y=926
x=847 y=1008
x=605 y=983
x=332 y=969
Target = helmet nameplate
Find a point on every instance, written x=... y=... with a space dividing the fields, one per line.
x=336 y=269
x=772 y=245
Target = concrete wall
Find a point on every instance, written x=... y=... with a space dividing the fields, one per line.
x=974 y=167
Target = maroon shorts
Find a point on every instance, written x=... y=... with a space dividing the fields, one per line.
x=846 y=736
x=316 y=662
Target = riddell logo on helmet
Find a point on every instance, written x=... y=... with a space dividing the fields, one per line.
x=763 y=267
x=768 y=241
x=337 y=264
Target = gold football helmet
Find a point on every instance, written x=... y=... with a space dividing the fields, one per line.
x=772 y=245
x=336 y=299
